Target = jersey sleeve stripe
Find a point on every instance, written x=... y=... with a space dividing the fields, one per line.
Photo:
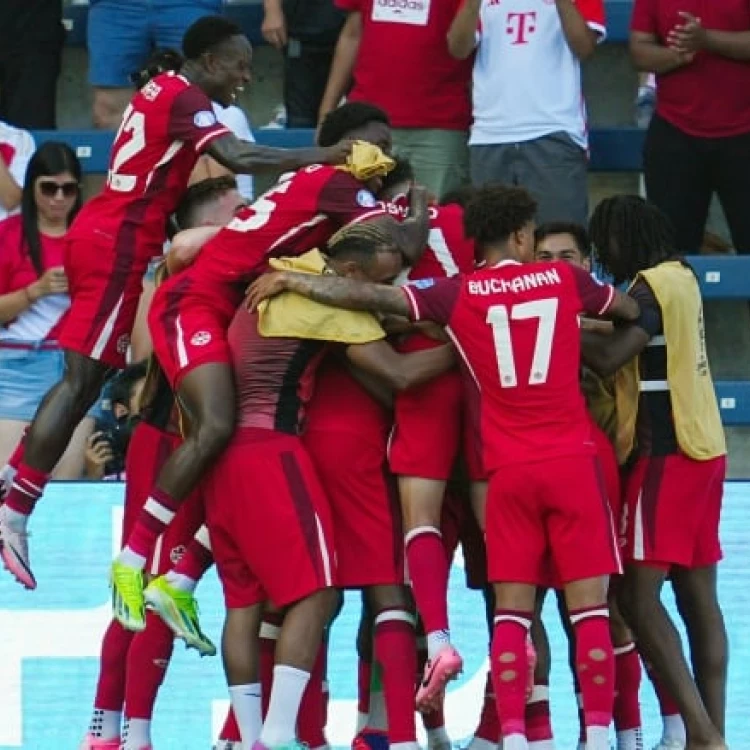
x=600 y=29
x=412 y=300
x=610 y=300
x=201 y=144
x=374 y=214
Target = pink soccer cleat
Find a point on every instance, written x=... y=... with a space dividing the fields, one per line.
x=531 y=659
x=438 y=672
x=94 y=743
x=14 y=552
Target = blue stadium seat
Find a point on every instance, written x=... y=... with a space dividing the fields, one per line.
x=734 y=400
x=250 y=14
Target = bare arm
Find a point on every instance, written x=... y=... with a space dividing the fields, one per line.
x=462 y=35
x=411 y=234
x=342 y=67
x=607 y=353
x=10 y=191
x=623 y=307
x=401 y=371
x=186 y=245
x=243 y=157
x=376 y=387
x=336 y=291
x=649 y=55
x=690 y=36
x=12 y=304
x=732 y=44
x=581 y=39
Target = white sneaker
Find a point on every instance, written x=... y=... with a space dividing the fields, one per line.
x=14 y=552
x=227 y=745
x=670 y=745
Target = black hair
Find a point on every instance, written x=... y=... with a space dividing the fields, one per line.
x=494 y=212
x=50 y=159
x=161 y=61
x=360 y=241
x=201 y=194
x=576 y=231
x=401 y=173
x=206 y=34
x=644 y=236
x=348 y=117
x=121 y=386
x=460 y=196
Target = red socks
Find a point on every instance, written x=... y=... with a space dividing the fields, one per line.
x=197 y=558
x=230 y=732
x=595 y=665
x=396 y=651
x=17 y=456
x=489 y=724
x=310 y=727
x=538 y=720
x=364 y=675
x=627 y=707
x=509 y=667
x=428 y=571
x=28 y=486
x=667 y=705
x=269 y=633
x=110 y=689
x=153 y=519
x=147 y=664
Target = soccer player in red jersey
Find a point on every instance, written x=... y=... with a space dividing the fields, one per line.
x=190 y=314
x=673 y=489
x=569 y=243
x=168 y=125
x=425 y=440
x=516 y=326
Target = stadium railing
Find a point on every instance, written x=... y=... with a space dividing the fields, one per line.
x=249 y=14
x=612 y=150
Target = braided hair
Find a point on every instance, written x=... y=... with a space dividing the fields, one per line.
x=630 y=234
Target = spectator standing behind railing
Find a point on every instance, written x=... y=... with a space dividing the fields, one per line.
x=33 y=297
x=396 y=55
x=529 y=114
x=31 y=42
x=121 y=36
x=698 y=142
x=16 y=148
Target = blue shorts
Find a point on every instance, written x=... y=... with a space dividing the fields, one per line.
x=25 y=377
x=122 y=34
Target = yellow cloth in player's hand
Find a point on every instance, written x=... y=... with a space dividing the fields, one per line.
x=291 y=315
x=367 y=161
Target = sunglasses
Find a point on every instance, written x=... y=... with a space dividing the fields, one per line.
x=49 y=189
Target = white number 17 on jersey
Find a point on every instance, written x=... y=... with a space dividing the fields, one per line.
x=499 y=318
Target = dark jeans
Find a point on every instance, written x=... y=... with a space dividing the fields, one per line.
x=306 y=71
x=683 y=172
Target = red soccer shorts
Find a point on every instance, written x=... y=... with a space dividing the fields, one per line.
x=269 y=520
x=149 y=448
x=188 y=331
x=427 y=431
x=610 y=470
x=365 y=507
x=556 y=506
x=105 y=285
x=672 y=511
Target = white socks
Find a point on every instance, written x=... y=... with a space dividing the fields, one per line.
x=105 y=725
x=246 y=706
x=136 y=735
x=630 y=739
x=15 y=520
x=437 y=641
x=597 y=738
x=181 y=582
x=280 y=726
x=131 y=559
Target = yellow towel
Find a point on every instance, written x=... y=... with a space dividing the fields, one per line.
x=290 y=315
x=367 y=161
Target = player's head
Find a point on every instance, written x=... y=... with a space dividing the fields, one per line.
x=365 y=251
x=51 y=192
x=161 y=61
x=629 y=235
x=500 y=220
x=211 y=202
x=565 y=241
x=218 y=57
x=459 y=196
x=398 y=180
x=358 y=121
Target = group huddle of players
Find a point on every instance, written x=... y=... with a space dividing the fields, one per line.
x=407 y=377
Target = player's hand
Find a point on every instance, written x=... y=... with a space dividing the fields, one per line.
x=52 y=281
x=98 y=454
x=596 y=325
x=687 y=38
x=264 y=287
x=337 y=154
x=273 y=27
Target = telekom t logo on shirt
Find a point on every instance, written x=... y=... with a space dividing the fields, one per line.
x=520 y=26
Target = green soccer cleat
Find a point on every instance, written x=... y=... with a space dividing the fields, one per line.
x=127 y=596
x=179 y=610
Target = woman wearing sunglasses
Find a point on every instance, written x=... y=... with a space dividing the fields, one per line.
x=33 y=295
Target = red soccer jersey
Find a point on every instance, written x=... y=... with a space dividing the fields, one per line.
x=516 y=327
x=167 y=126
x=297 y=214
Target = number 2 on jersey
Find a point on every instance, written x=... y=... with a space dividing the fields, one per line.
x=499 y=317
x=133 y=123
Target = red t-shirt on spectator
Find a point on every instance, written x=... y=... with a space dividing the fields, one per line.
x=710 y=97
x=403 y=64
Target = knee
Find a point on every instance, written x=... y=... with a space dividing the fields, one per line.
x=107 y=108
x=214 y=431
x=382 y=598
